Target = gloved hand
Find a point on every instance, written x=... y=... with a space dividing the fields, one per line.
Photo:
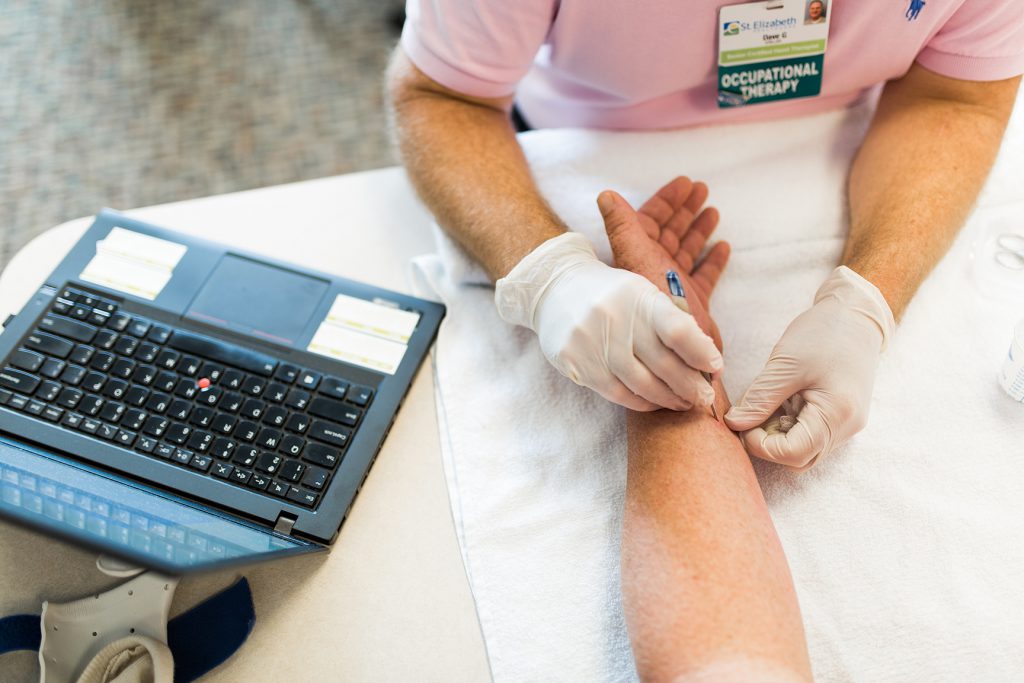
x=607 y=328
x=824 y=367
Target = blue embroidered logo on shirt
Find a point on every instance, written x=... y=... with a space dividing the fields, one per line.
x=915 y=8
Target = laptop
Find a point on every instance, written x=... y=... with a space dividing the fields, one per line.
x=185 y=406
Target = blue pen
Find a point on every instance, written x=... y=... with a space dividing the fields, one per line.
x=675 y=288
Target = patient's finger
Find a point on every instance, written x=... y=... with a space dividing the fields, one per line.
x=698 y=233
x=698 y=195
x=667 y=200
x=707 y=272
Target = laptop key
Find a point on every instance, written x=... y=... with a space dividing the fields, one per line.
x=245 y=456
x=222 y=470
x=145 y=444
x=316 y=478
x=94 y=381
x=112 y=412
x=269 y=463
x=5 y=396
x=168 y=359
x=212 y=371
x=304 y=498
x=49 y=344
x=309 y=379
x=331 y=433
x=253 y=386
x=73 y=374
x=233 y=379
x=186 y=388
x=275 y=416
x=66 y=327
x=35 y=407
x=125 y=438
x=177 y=433
x=318 y=454
x=297 y=423
x=123 y=368
x=165 y=381
x=200 y=441
x=105 y=339
x=48 y=391
x=223 y=423
x=240 y=476
x=69 y=397
x=116 y=389
x=16 y=380
x=147 y=353
x=201 y=462
x=29 y=361
x=327 y=408
x=298 y=399
x=202 y=417
x=158 y=402
x=72 y=420
x=18 y=401
x=159 y=334
x=287 y=373
x=89 y=425
x=163 y=450
x=119 y=321
x=82 y=354
x=52 y=368
x=276 y=392
x=139 y=327
x=246 y=431
x=106 y=431
x=91 y=404
x=189 y=365
x=278 y=489
x=361 y=396
x=259 y=481
x=179 y=409
x=269 y=438
x=133 y=419
x=291 y=470
x=126 y=345
x=181 y=456
x=334 y=387
x=253 y=409
x=222 y=448
x=292 y=445
x=136 y=395
x=156 y=426
x=102 y=361
x=53 y=413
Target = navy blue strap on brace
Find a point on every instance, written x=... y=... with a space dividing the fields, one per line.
x=200 y=639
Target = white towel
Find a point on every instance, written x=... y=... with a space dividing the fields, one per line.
x=906 y=546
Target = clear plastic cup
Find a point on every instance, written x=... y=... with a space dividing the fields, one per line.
x=1011 y=377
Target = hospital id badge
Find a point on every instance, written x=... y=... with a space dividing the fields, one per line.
x=773 y=50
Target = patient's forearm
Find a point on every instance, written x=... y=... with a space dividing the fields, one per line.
x=706 y=588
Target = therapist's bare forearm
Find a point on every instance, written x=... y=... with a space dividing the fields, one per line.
x=918 y=173
x=706 y=588
x=462 y=156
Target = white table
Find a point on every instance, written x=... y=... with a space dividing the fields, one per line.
x=391 y=600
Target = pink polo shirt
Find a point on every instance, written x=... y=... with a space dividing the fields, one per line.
x=643 y=64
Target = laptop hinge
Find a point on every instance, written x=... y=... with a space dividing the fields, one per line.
x=284 y=524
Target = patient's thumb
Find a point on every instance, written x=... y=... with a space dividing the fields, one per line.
x=618 y=216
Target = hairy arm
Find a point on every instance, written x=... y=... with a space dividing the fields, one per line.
x=706 y=588
x=919 y=171
x=463 y=159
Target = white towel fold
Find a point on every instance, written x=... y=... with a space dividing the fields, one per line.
x=907 y=545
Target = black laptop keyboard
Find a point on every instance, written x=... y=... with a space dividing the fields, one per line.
x=195 y=401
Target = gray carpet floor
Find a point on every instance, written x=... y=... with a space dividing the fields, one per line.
x=126 y=103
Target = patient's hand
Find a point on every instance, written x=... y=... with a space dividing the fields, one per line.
x=668 y=233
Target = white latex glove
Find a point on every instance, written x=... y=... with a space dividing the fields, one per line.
x=824 y=368
x=607 y=328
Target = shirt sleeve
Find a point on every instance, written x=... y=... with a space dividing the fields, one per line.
x=481 y=48
x=982 y=41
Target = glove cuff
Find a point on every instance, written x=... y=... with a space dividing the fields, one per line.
x=517 y=294
x=861 y=296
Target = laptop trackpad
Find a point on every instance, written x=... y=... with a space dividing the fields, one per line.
x=258 y=299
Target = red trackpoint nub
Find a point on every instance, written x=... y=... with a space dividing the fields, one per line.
x=203 y=383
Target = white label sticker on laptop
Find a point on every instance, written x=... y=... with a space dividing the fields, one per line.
x=365 y=333
x=133 y=263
